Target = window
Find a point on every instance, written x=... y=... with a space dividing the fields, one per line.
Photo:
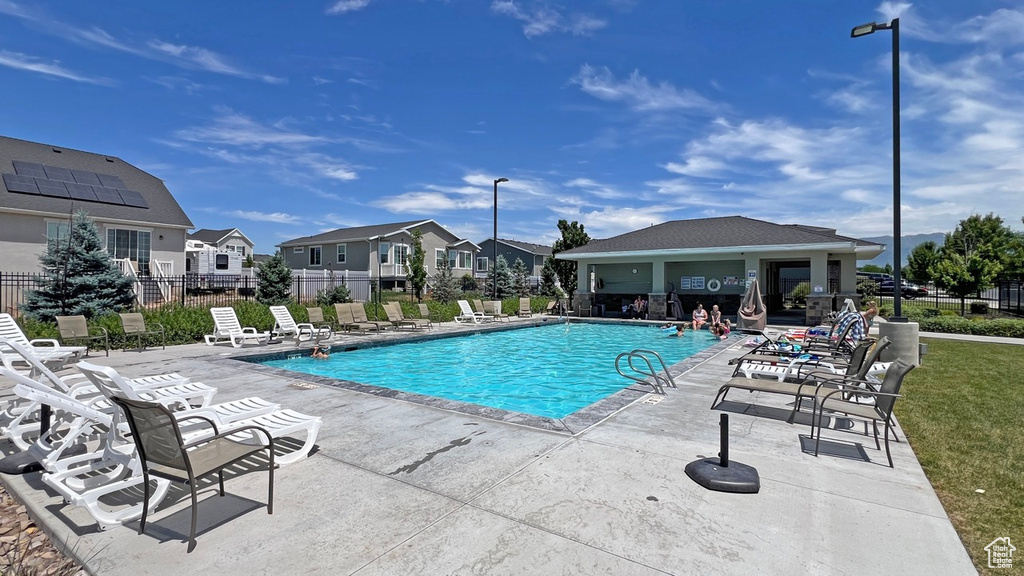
x=439 y=258
x=222 y=262
x=401 y=255
x=481 y=264
x=314 y=255
x=133 y=245
x=236 y=248
x=465 y=260
x=56 y=231
x=453 y=258
x=342 y=253
x=385 y=251
x=298 y=250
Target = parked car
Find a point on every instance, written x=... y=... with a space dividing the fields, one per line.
x=908 y=290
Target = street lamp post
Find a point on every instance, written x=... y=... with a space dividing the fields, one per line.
x=494 y=263
x=897 y=287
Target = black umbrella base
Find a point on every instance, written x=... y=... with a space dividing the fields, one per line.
x=736 y=478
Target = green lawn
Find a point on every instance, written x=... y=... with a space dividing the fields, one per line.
x=963 y=411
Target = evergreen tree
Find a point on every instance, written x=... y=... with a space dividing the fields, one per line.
x=79 y=277
x=416 y=271
x=548 y=279
x=520 y=278
x=505 y=285
x=275 y=282
x=444 y=285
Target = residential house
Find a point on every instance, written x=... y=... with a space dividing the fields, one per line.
x=711 y=260
x=381 y=251
x=533 y=255
x=139 y=220
x=229 y=240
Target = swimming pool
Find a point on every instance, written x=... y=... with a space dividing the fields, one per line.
x=551 y=370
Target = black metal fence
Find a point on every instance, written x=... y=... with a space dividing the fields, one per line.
x=197 y=290
x=1006 y=297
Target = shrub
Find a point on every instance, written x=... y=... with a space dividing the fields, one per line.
x=331 y=296
x=800 y=293
x=979 y=307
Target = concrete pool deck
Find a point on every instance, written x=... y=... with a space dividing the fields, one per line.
x=398 y=487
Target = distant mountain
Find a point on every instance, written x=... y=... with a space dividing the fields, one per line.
x=907 y=244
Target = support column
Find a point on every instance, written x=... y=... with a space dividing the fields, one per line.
x=905 y=337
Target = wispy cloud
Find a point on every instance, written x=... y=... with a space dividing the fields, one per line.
x=197 y=57
x=637 y=91
x=345 y=6
x=190 y=57
x=20 y=61
x=277 y=217
x=543 y=18
x=239 y=130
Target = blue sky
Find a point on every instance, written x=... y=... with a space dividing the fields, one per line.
x=288 y=119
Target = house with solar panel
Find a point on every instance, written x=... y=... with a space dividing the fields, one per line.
x=532 y=255
x=380 y=251
x=141 y=223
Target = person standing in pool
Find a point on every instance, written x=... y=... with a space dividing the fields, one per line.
x=321 y=352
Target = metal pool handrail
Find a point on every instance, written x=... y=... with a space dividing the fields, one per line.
x=659 y=383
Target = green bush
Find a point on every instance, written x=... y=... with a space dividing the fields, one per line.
x=979 y=307
x=799 y=294
x=328 y=298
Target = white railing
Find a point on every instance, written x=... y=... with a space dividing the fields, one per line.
x=162 y=271
x=128 y=269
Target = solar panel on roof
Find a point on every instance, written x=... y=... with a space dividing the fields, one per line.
x=83 y=177
x=81 y=192
x=107 y=195
x=56 y=173
x=132 y=198
x=54 y=188
x=111 y=181
x=22 y=184
x=29 y=169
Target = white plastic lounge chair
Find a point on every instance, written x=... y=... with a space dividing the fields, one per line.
x=285 y=325
x=90 y=479
x=47 y=349
x=227 y=327
x=469 y=315
x=20 y=416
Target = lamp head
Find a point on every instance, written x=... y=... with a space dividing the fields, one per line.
x=863 y=29
x=499 y=180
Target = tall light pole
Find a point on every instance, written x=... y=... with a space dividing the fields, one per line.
x=494 y=262
x=897 y=282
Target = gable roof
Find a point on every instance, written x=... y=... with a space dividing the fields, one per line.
x=728 y=232
x=357 y=233
x=158 y=206
x=215 y=236
x=537 y=249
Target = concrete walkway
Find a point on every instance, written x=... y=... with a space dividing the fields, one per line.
x=402 y=488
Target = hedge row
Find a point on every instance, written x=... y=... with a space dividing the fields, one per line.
x=188 y=325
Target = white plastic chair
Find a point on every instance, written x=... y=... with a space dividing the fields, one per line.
x=470 y=315
x=285 y=325
x=46 y=349
x=227 y=327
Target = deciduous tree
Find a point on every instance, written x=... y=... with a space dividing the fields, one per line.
x=573 y=236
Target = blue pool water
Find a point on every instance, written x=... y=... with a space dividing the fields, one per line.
x=551 y=370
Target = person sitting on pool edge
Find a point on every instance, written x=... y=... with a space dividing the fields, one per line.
x=716 y=315
x=700 y=317
x=321 y=352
